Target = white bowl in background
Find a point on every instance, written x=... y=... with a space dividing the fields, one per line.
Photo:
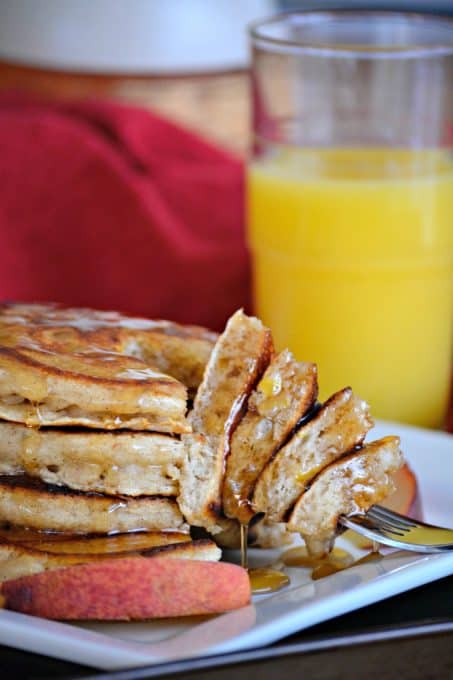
x=133 y=36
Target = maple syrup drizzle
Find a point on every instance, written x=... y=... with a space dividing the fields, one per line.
x=266 y=580
x=244 y=554
x=337 y=560
x=263 y=579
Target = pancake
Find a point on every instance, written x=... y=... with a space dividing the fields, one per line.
x=102 y=390
x=90 y=544
x=287 y=390
x=348 y=486
x=236 y=364
x=177 y=350
x=30 y=503
x=17 y=560
x=339 y=426
x=127 y=463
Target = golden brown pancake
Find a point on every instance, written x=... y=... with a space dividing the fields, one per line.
x=236 y=364
x=18 y=560
x=89 y=544
x=287 y=390
x=177 y=350
x=350 y=485
x=120 y=462
x=102 y=390
x=340 y=425
x=30 y=503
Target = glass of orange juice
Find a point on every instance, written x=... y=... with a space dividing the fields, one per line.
x=350 y=201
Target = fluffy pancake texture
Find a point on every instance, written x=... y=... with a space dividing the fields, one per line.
x=29 y=503
x=340 y=425
x=236 y=364
x=285 y=393
x=348 y=486
x=126 y=463
x=102 y=390
x=17 y=560
x=93 y=405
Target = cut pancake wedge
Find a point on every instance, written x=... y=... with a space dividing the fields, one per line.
x=30 y=503
x=340 y=425
x=236 y=364
x=284 y=394
x=17 y=560
x=350 y=485
x=99 y=390
x=129 y=463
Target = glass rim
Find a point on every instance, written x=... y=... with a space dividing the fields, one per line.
x=283 y=45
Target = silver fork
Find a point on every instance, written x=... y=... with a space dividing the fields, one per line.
x=398 y=531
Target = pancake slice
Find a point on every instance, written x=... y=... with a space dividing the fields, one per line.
x=236 y=364
x=341 y=424
x=350 y=485
x=29 y=503
x=17 y=560
x=285 y=393
x=125 y=463
x=89 y=544
x=99 y=390
x=178 y=350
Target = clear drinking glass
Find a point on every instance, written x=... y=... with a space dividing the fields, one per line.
x=350 y=201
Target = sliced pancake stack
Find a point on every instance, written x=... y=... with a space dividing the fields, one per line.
x=90 y=435
x=263 y=446
x=94 y=440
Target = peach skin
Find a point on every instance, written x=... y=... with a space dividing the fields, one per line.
x=130 y=589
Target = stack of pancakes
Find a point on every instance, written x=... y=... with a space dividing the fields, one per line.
x=95 y=440
x=90 y=434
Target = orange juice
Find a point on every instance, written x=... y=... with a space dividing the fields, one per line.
x=353 y=268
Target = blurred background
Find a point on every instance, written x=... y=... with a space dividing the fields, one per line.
x=186 y=59
x=124 y=127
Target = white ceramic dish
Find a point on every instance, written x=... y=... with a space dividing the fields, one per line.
x=270 y=618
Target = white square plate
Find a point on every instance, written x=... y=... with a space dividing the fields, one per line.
x=304 y=603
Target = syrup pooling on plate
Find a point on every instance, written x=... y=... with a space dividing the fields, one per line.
x=267 y=580
x=337 y=560
x=263 y=579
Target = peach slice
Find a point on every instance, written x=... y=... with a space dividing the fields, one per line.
x=405 y=499
x=130 y=588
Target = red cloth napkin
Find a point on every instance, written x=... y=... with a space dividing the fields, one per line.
x=109 y=206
